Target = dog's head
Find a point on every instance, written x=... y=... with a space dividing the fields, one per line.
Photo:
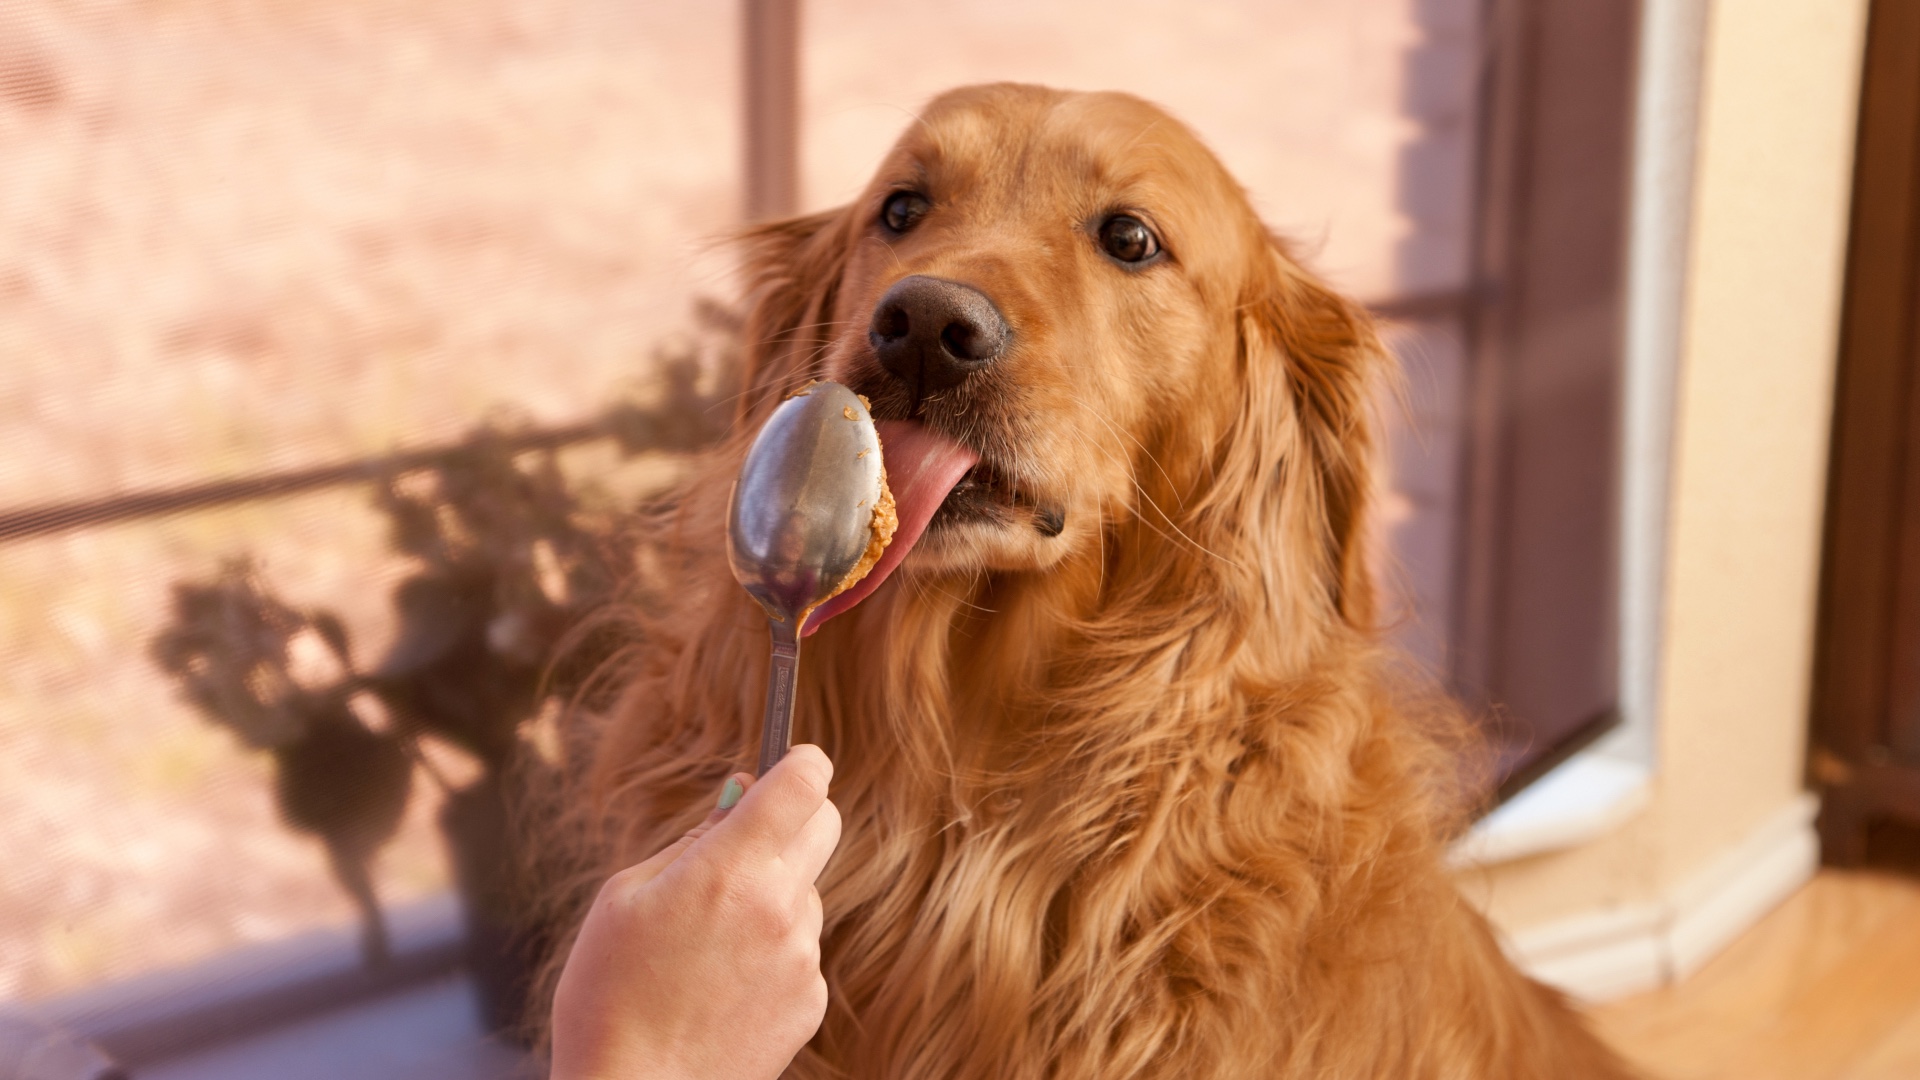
x=1067 y=316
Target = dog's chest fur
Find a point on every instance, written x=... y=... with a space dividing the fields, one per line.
x=1169 y=873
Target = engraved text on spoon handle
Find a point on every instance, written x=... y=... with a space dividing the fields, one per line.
x=776 y=731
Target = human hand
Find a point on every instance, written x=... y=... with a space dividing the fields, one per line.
x=703 y=962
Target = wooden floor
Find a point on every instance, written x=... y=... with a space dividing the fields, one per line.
x=1825 y=988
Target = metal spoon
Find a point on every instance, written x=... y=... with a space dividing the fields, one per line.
x=800 y=518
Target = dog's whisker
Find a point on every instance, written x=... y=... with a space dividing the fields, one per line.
x=892 y=253
x=785 y=384
x=1149 y=500
x=1142 y=134
x=760 y=394
x=1151 y=457
x=789 y=332
x=1120 y=463
x=961 y=599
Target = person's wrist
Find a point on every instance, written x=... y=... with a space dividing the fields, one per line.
x=641 y=1072
x=652 y=1067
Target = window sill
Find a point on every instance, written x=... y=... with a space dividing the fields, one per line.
x=255 y=989
x=429 y=1031
x=1588 y=796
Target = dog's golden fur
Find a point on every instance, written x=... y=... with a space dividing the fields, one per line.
x=1140 y=799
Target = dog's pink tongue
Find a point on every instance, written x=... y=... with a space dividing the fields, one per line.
x=922 y=468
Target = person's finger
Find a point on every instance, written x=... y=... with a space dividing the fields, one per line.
x=776 y=808
x=807 y=853
x=732 y=791
x=813 y=914
x=730 y=794
x=645 y=871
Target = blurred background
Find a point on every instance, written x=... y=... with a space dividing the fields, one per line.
x=338 y=336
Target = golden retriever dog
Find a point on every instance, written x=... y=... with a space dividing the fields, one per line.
x=1128 y=787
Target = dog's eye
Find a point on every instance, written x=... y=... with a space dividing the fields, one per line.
x=903 y=210
x=1128 y=240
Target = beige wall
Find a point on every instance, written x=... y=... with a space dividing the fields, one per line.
x=1773 y=174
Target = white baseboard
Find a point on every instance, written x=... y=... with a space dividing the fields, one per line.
x=1610 y=954
x=1587 y=796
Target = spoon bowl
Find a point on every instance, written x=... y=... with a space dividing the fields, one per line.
x=799 y=520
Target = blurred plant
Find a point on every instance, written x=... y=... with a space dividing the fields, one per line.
x=229 y=645
x=508 y=560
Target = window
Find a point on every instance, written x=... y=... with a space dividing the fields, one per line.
x=252 y=248
x=243 y=241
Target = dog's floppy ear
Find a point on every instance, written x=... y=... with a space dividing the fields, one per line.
x=1310 y=364
x=793 y=272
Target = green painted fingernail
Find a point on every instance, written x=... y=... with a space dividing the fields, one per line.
x=731 y=793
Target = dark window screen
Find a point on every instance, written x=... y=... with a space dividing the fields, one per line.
x=1536 y=632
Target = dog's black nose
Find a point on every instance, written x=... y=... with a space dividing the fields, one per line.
x=932 y=333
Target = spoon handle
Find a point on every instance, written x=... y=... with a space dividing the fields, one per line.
x=776 y=730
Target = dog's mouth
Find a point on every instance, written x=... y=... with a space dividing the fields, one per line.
x=983 y=493
x=937 y=483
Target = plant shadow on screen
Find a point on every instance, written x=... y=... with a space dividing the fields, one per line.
x=507 y=561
